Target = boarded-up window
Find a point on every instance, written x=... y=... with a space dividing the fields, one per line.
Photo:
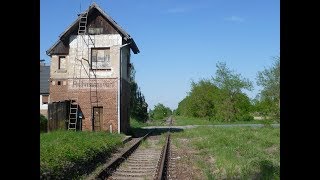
x=62 y=62
x=45 y=99
x=100 y=58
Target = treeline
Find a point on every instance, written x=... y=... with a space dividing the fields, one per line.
x=221 y=98
x=160 y=112
x=267 y=103
x=138 y=105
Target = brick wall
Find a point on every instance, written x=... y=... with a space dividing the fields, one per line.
x=107 y=99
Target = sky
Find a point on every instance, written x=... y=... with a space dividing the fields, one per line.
x=181 y=41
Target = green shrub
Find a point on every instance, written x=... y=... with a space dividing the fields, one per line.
x=160 y=112
x=43 y=123
x=245 y=117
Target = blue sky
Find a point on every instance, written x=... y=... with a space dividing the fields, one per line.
x=181 y=40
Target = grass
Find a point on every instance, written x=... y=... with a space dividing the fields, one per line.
x=182 y=121
x=162 y=140
x=145 y=144
x=68 y=154
x=236 y=153
x=137 y=124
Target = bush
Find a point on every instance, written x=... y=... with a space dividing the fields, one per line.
x=160 y=112
x=43 y=123
x=245 y=117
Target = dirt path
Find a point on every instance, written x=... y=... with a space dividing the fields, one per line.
x=182 y=161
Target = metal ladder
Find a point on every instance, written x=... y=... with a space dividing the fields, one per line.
x=74 y=106
x=93 y=99
x=83 y=23
x=82 y=31
x=94 y=93
x=73 y=114
x=91 y=41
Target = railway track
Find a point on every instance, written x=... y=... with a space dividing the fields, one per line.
x=146 y=158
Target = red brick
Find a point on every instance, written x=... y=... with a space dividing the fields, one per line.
x=107 y=100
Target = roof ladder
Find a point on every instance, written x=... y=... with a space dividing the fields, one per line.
x=83 y=28
x=83 y=23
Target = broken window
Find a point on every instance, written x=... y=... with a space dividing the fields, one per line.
x=100 y=58
x=62 y=62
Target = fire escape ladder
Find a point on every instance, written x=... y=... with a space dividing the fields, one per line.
x=76 y=78
x=83 y=39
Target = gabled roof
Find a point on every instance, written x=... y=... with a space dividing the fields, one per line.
x=75 y=25
x=44 y=79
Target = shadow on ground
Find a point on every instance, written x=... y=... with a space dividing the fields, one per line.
x=268 y=170
x=139 y=132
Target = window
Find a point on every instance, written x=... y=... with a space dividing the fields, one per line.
x=59 y=83
x=62 y=62
x=45 y=99
x=95 y=30
x=100 y=58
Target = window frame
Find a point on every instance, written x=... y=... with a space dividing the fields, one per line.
x=59 y=63
x=108 y=67
x=44 y=96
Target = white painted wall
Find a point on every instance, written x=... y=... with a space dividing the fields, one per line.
x=114 y=41
x=43 y=106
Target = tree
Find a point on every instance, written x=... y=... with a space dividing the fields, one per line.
x=220 y=98
x=228 y=80
x=202 y=98
x=269 y=79
x=264 y=107
x=235 y=105
x=160 y=112
x=184 y=108
x=138 y=105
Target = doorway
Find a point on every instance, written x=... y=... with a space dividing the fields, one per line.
x=97 y=118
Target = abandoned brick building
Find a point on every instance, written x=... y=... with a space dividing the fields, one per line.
x=90 y=65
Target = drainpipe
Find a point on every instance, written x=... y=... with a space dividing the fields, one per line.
x=119 y=85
